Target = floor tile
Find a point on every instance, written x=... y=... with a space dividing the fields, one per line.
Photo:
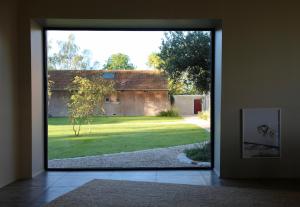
x=41 y=181
x=183 y=172
x=53 y=193
x=17 y=204
x=20 y=194
x=50 y=185
x=72 y=181
x=183 y=179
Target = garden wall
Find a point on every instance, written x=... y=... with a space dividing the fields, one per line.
x=185 y=103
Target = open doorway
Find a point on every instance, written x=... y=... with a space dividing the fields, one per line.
x=129 y=99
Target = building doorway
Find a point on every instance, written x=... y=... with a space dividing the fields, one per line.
x=197 y=106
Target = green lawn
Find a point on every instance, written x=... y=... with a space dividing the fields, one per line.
x=119 y=134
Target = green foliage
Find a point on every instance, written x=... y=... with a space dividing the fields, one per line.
x=181 y=87
x=186 y=58
x=70 y=57
x=154 y=61
x=118 y=61
x=200 y=154
x=86 y=96
x=175 y=88
x=204 y=115
x=169 y=113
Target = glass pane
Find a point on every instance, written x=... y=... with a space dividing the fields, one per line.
x=129 y=99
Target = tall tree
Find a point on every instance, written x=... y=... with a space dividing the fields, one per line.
x=186 y=57
x=154 y=61
x=70 y=56
x=118 y=61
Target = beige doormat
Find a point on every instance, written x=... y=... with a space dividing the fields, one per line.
x=103 y=193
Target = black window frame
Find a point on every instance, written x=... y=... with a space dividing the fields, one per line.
x=212 y=95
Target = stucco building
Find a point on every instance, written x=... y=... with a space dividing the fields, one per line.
x=138 y=92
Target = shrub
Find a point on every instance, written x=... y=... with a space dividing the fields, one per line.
x=204 y=115
x=199 y=153
x=169 y=113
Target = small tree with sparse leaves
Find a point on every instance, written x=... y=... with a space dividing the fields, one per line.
x=49 y=88
x=86 y=96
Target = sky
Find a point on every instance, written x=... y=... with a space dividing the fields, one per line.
x=138 y=45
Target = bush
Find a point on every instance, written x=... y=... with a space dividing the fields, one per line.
x=200 y=153
x=204 y=115
x=169 y=113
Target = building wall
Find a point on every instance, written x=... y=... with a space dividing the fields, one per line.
x=9 y=125
x=185 y=103
x=57 y=106
x=129 y=103
x=148 y=103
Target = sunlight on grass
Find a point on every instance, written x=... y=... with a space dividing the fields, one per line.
x=120 y=134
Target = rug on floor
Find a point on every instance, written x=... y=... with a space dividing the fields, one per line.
x=104 y=193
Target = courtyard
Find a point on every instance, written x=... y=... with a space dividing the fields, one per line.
x=117 y=141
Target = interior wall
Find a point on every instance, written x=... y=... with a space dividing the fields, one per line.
x=260 y=65
x=8 y=92
x=37 y=98
x=261 y=62
x=217 y=100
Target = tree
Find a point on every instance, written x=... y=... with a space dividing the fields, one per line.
x=118 y=61
x=70 y=57
x=186 y=58
x=49 y=88
x=181 y=86
x=86 y=96
x=154 y=61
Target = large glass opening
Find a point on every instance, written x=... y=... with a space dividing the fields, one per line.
x=128 y=99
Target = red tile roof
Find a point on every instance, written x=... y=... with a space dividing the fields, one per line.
x=124 y=79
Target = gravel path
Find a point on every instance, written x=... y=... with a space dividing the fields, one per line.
x=205 y=124
x=156 y=158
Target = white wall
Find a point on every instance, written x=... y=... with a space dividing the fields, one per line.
x=37 y=99
x=217 y=100
x=260 y=59
x=8 y=92
x=185 y=103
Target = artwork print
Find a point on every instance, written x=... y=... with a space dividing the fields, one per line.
x=261 y=132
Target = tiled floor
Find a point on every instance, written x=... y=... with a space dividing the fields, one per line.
x=50 y=185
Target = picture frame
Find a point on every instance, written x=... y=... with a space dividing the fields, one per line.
x=261 y=132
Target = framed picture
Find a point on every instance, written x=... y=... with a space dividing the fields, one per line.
x=261 y=132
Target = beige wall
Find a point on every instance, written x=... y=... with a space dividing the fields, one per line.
x=148 y=103
x=260 y=60
x=8 y=92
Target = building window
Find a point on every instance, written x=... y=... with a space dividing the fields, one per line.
x=107 y=100
x=108 y=75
